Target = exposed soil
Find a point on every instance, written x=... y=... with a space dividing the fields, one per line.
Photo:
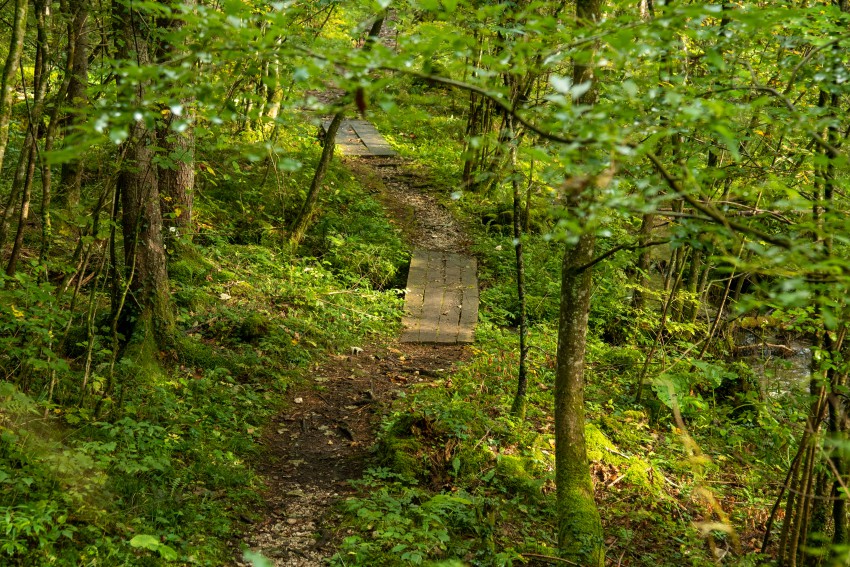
x=408 y=196
x=324 y=438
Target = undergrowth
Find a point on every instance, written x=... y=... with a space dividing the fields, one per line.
x=457 y=480
x=148 y=461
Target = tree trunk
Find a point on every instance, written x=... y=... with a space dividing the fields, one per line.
x=177 y=182
x=144 y=249
x=643 y=263
x=519 y=404
x=34 y=130
x=177 y=179
x=299 y=227
x=148 y=307
x=13 y=58
x=579 y=525
x=70 y=182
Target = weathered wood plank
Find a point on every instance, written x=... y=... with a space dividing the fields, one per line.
x=469 y=312
x=441 y=303
x=414 y=297
x=360 y=138
x=434 y=287
x=452 y=298
x=372 y=139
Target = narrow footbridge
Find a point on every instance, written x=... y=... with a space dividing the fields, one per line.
x=441 y=303
x=360 y=138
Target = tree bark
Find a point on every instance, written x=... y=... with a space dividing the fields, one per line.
x=13 y=58
x=579 y=525
x=177 y=179
x=70 y=182
x=148 y=307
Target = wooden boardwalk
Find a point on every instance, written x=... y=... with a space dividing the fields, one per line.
x=441 y=303
x=360 y=138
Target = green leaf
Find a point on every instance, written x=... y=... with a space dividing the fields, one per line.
x=257 y=559
x=167 y=552
x=145 y=541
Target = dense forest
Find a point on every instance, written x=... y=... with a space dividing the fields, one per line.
x=202 y=296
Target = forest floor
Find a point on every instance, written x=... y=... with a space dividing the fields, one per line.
x=323 y=438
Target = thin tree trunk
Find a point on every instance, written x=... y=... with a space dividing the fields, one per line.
x=302 y=222
x=643 y=263
x=13 y=58
x=34 y=130
x=299 y=227
x=579 y=525
x=70 y=182
x=519 y=404
x=23 y=217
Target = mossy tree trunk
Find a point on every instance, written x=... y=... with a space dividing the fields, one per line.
x=176 y=174
x=13 y=58
x=302 y=222
x=579 y=525
x=79 y=46
x=148 y=305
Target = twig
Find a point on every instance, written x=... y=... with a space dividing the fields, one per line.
x=549 y=558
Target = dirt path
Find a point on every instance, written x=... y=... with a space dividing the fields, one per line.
x=323 y=440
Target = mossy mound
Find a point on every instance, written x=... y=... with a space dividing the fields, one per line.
x=404 y=456
x=519 y=475
x=253 y=327
x=189 y=268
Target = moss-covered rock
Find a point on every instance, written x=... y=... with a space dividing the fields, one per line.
x=253 y=327
x=518 y=475
x=403 y=456
x=598 y=446
x=193 y=299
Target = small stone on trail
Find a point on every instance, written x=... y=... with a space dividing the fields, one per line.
x=299 y=400
x=291 y=521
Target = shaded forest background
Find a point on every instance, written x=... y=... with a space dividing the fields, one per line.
x=657 y=197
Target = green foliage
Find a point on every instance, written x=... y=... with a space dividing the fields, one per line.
x=354 y=238
x=405 y=523
x=724 y=122
x=156 y=469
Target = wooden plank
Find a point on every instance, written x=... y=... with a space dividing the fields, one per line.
x=469 y=311
x=372 y=139
x=441 y=303
x=434 y=286
x=414 y=296
x=452 y=299
x=360 y=138
x=347 y=140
